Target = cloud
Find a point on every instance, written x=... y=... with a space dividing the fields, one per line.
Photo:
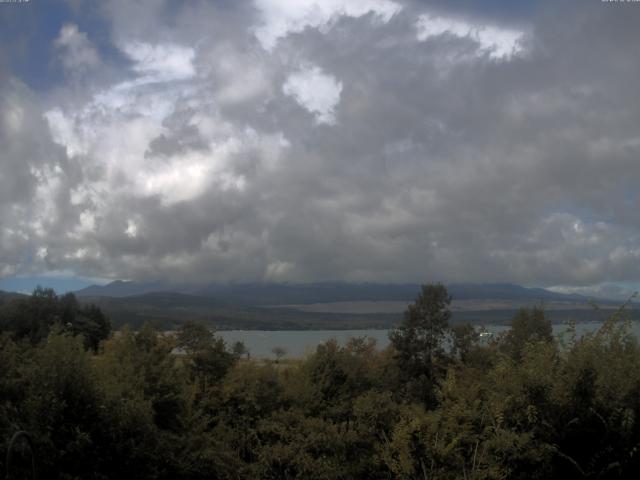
x=314 y=90
x=78 y=54
x=497 y=42
x=312 y=141
x=613 y=291
x=282 y=17
x=160 y=62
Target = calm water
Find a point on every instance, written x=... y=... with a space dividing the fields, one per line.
x=299 y=343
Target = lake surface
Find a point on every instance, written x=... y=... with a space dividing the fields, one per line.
x=299 y=343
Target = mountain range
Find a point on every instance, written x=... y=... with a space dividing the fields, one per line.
x=323 y=306
x=329 y=305
x=287 y=294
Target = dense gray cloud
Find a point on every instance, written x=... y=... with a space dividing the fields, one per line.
x=308 y=140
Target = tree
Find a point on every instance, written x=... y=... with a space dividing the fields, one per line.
x=463 y=338
x=528 y=325
x=61 y=406
x=139 y=387
x=31 y=318
x=239 y=350
x=92 y=324
x=194 y=336
x=279 y=352
x=207 y=355
x=418 y=339
x=34 y=317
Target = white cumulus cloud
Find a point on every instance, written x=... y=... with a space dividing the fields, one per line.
x=161 y=62
x=497 y=42
x=316 y=91
x=282 y=17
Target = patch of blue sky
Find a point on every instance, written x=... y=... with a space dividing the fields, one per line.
x=61 y=284
x=30 y=30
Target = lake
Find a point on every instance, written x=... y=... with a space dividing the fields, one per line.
x=299 y=343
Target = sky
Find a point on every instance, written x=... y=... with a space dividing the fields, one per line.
x=320 y=140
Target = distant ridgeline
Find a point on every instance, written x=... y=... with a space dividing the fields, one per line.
x=285 y=294
x=270 y=306
x=320 y=306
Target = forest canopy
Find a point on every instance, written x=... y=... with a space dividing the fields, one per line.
x=438 y=403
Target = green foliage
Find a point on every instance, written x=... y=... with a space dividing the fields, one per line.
x=240 y=350
x=92 y=324
x=279 y=352
x=206 y=355
x=337 y=375
x=150 y=405
x=60 y=407
x=33 y=318
x=464 y=339
x=425 y=323
x=529 y=325
x=418 y=341
x=193 y=337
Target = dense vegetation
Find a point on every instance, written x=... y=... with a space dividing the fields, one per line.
x=437 y=404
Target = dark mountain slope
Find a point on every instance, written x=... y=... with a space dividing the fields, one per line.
x=286 y=294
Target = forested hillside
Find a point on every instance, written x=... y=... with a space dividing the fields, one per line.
x=128 y=404
x=319 y=306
